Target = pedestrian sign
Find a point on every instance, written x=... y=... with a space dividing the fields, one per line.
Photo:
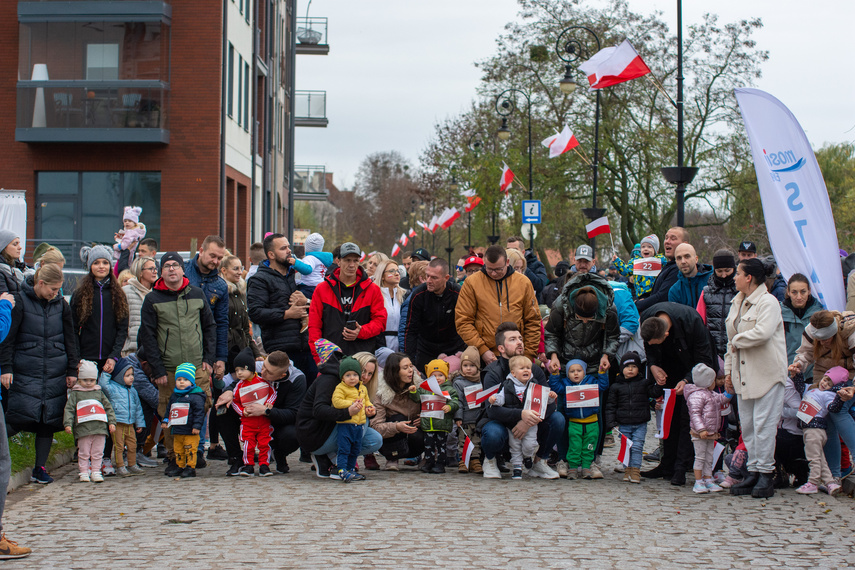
x=531 y=211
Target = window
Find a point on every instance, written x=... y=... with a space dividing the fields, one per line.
x=240 y=91
x=102 y=62
x=230 y=100
x=246 y=97
x=240 y=6
x=246 y=16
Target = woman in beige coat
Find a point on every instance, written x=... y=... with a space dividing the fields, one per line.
x=145 y=274
x=397 y=416
x=755 y=367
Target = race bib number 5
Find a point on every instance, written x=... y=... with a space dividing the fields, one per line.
x=583 y=396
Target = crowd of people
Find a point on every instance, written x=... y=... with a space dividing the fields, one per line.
x=496 y=369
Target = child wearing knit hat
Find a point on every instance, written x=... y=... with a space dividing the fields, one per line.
x=437 y=415
x=649 y=248
x=467 y=383
x=704 y=423
x=318 y=260
x=351 y=397
x=132 y=231
x=184 y=415
x=255 y=430
x=89 y=416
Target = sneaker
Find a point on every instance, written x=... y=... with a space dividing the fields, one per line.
x=145 y=461
x=595 y=472
x=264 y=471
x=96 y=477
x=371 y=462
x=334 y=472
x=527 y=463
x=234 y=469
x=322 y=465
x=491 y=471
x=41 y=476
x=609 y=440
x=200 y=461
x=391 y=465
x=574 y=473
x=517 y=473
x=833 y=488
x=586 y=474
x=173 y=470
x=9 y=549
x=711 y=486
x=542 y=470
x=700 y=487
x=345 y=476
x=561 y=469
x=84 y=477
x=107 y=468
x=728 y=482
x=247 y=471
x=358 y=476
x=123 y=472
x=807 y=489
x=217 y=453
x=500 y=463
x=188 y=472
x=844 y=473
x=652 y=457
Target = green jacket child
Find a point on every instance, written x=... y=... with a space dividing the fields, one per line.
x=439 y=370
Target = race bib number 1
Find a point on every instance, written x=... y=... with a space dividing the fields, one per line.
x=90 y=411
x=254 y=393
x=179 y=413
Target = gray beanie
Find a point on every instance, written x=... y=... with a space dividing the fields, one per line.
x=89 y=255
x=7 y=237
x=315 y=242
x=703 y=376
x=652 y=240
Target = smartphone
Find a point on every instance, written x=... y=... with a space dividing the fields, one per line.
x=222 y=410
x=350 y=324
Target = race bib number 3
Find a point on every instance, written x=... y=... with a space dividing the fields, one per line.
x=90 y=411
x=537 y=397
x=586 y=396
x=432 y=406
x=179 y=413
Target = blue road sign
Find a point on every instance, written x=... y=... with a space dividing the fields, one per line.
x=531 y=211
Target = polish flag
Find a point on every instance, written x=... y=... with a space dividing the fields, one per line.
x=403 y=240
x=613 y=65
x=718 y=449
x=469 y=193
x=412 y=233
x=396 y=250
x=422 y=225
x=433 y=225
x=507 y=178
x=560 y=143
x=361 y=256
x=467 y=451
x=597 y=227
x=481 y=397
x=448 y=217
x=432 y=384
x=472 y=202
x=625 y=446
x=670 y=399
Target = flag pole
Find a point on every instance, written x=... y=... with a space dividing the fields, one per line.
x=582 y=156
x=659 y=86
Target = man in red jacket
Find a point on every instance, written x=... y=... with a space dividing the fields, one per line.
x=347 y=308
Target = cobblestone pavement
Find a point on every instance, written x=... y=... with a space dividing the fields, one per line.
x=408 y=519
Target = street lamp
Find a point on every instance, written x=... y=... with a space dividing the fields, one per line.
x=505 y=106
x=453 y=187
x=570 y=49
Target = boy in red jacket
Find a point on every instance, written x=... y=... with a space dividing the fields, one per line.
x=255 y=431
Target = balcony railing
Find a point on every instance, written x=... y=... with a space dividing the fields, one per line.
x=312 y=36
x=92 y=111
x=310 y=183
x=310 y=109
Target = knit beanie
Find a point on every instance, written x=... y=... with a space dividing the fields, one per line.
x=171 y=256
x=325 y=349
x=703 y=376
x=578 y=361
x=315 y=242
x=122 y=365
x=186 y=371
x=132 y=213
x=453 y=362
x=7 y=237
x=349 y=364
x=90 y=255
x=382 y=354
x=636 y=250
x=245 y=359
x=88 y=370
x=652 y=240
x=630 y=357
x=472 y=355
x=838 y=375
x=435 y=365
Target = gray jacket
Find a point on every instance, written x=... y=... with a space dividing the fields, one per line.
x=463 y=413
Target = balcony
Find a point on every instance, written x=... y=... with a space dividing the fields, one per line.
x=312 y=36
x=310 y=183
x=310 y=109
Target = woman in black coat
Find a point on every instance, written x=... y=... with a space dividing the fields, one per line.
x=41 y=352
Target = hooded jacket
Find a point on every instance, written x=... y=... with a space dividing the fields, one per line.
x=196 y=398
x=661 y=287
x=629 y=400
x=125 y=400
x=823 y=361
x=704 y=408
x=268 y=296
x=447 y=422
x=12 y=277
x=687 y=290
x=102 y=335
x=558 y=383
x=688 y=343
x=795 y=323
x=643 y=284
x=464 y=413
x=713 y=306
x=569 y=337
x=316 y=416
x=509 y=412
x=429 y=327
x=92 y=427
x=496 y=373
x=779 y=288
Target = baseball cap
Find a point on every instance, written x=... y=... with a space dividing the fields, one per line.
x=350 y=248
x=473 y=259
x=421 y=254
x=585 y=252
x=748 y=246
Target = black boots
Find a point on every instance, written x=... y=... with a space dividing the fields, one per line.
x=439 y=466
x=747 y=484
x=765 y=486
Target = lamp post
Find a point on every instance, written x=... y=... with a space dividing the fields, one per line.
x=452 y=187
x=505 y=105
x=570 y=49
x=475 y=144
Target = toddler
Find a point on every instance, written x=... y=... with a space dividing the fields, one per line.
x=437 y=416
x=583 y=428
x=704 y=422
x=351 y=392
x=89 y=416
x=131 y=233
x=516 y=389
x=255 y=430
x=467 y=383
x=643 y=283
x=318 y=260
x=184 y=415
x=119 y=387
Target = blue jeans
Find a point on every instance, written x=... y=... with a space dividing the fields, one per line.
x=840 y=425
x=349 y=441
x=636 y=433
x=371 y=442
x=494 y=436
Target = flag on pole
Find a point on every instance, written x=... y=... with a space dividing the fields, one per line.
x=403 y=240
x=472 y=202
x=469 y=193
x=670 y=399
x=561 y=142
x=361 y=256
x=396 y=249
x=468 y=447
x=433 y=225
x=422 y=225
x=431 y=383
x=448 y=217
x=625 y=446
x=597 y=227
x=613 y=65
x=412 y=233
x=507 y=178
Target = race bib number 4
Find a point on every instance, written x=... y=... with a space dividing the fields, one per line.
x=583 y=396
x=254 y=393
x=179 y=413
x=90 y=411
x=432 y=406
x=808 y=410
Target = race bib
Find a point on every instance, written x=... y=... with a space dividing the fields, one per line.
x=90 y=411
x=254 y=393
x=432 y=406
x=583 y=396
x=536 y=399
x=179 y=413
x=471 y=393
x=647 y=266
x=725 y=408
x=808 y=409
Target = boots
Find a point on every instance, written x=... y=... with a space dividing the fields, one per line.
x=747 y=484
x=439 y=466
x=475 y=466
x=765 y=486
x=635 y=475
x=782 y=478
x=461 y=467
x=627 y=474
x=427 y=464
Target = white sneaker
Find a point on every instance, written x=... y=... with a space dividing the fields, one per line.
x=561 y=468
x=700 y=488
x=491 y=470
x=84 y=477
x=542 y=470
x=96 y=477
x=711 y=486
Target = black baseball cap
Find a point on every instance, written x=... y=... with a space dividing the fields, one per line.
x=748 y=246
x=421 y=254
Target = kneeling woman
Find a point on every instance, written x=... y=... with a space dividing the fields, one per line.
x=397 y=417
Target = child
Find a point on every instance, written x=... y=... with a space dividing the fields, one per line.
x=350 y=392
x=89 y=416
x=704 y=422
x=515 y=390
x=820 y=396
x=582 y=422
x=185 y=414
x=119 y=387
x=436 y=423
x=255 y=431
x=318 y=260
x=468 y=382
x=628 y=407
x=132 y=231
x=643 y=283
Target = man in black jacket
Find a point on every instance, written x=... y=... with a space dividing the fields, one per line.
x=534 y=270
x=675 y=340
x=430 y=329
x=670 y=272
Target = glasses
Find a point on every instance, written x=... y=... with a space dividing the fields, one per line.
x=152 y=268
x=459 y=268
x=500 y=269
x=391 y=271
x=171 y=267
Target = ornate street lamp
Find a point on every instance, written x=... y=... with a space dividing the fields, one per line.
x=505 y=106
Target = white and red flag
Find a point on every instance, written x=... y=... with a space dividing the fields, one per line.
x=433 y=225
x=471 y=203
x=422 y=225
x=396 y=249
x=613 y=65
x=468 y=193
x=718 y=449
x=560 y=143
x=625 y=446
x=361 y=256
x=448 y=217
x=507 y=178
x=431 y=383
x=480 y=396
x=467 y=451
x=597 y=227
x=403 y=240
x=412 y=233
x=669 y=400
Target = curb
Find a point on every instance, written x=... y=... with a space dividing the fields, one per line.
x=22 y=478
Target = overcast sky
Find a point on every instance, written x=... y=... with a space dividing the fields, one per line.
x=396 y=67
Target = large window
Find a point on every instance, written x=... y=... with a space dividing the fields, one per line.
x=240 y=91
x=230 y=102
x=246 y=96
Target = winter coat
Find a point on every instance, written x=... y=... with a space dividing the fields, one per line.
x=177 y=327
x=316 y=416
x=5 y=320
x=795 y=323
x=484 y=304
x=629 y=400
x=704 y=408
x=713 y=306
x=389 y=403
x=142 y=384
x=402 y=325
x=447 y=422
x=135 y=292
x=779 y=288
x=464 y=413
x=290 y=391
x=240 y=335
x=102 y=335
x=496 y=373
x=688 y=343
x=92 y=427
x=509 y=401
x=268 y=297
x=196 y=398
x=569 y=337
x=12 y=278
x=643 y=283
x=756 y=355
x=687 y=290
x=430 y=324
x=125 y=400
x=329 y=313
x=558 y=383
x=822 y=362
x=344 y=396
x=393 y=318
x=41 y=351
x=629 y=320
x=536 y=272
x=661 y=287
x=216 y=291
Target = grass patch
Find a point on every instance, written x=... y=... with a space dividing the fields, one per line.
x=22 y=448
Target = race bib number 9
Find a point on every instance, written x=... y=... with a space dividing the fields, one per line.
x=90 y=411
x=179 y=413
x=583 y=396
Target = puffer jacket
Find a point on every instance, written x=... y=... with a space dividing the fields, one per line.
x=135 y=293
x=795 y=323
x=12 y=278
x=629 y=400
x=215 y=290
x=704 y=408
x=558 y=383
x=713 y=306
x=687 y=290
x=40 y=350
x=435 y=424
x=388 y=403
x=823 y=361
x=643 y=283
x=629 y=321
x=125 y=400
x=102 y=335
x=240 y=335
x=569 y=337
x=268 y=296
x=484 y=304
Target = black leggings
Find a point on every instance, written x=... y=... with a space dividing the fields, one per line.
x=44 y=439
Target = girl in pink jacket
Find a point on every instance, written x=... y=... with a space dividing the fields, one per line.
x=704 y=420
